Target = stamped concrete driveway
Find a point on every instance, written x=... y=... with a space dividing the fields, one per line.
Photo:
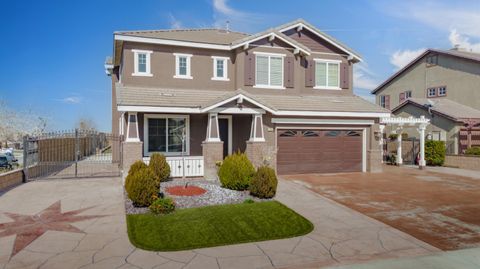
x=437 y=207
x=81 y=224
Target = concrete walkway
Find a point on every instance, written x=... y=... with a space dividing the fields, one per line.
x=451 y=171
x=81 y=224
x=458 y=259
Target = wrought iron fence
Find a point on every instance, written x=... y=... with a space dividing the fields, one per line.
x=72 y=153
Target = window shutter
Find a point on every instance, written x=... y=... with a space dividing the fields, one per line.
x=309 y=73
x=344 y=76
x=288 y=72
x=402 y=97
x=249 y=71
x=387 y=101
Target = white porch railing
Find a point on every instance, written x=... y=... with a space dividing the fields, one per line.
x=193 y=165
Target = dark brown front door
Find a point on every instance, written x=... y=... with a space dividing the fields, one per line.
x=318 y=151
x=223 y=128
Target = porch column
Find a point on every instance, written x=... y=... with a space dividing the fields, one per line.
x=421 y=130
x=381 y=128
x=399 y=146
x=132 y=128
x=132 y=149
x=256 y=149
x=212 y=148
x=213 y=134
x=256 y=131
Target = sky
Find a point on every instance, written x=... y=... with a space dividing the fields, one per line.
x=52 y=52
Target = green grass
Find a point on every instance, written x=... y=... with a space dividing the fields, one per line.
x=216 y=226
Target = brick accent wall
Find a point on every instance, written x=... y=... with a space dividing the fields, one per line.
x=11 y=179
x=212 y=153
x=257 y=153
x=132 y=152
x=464 y=162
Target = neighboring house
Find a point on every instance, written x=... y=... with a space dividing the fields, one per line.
x=443 y=85
x=284 y=96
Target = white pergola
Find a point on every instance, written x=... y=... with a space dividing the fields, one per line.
x=398 y=123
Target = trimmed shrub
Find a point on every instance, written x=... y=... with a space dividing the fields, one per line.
x=134 y=168
x=236 y=172
x=435 y=152
x=142 y=187
x=162 y=206
x=158 y=164
x=264 y=183
x=473 y=151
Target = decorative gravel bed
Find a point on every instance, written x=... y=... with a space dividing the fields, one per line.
x=214 y=195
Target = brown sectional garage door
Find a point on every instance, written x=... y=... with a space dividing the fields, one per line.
x=318 y=151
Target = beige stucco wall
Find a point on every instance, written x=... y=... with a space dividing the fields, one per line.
x=163 y=69
x=460 y=76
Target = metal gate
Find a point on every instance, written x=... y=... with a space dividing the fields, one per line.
x=72 y=154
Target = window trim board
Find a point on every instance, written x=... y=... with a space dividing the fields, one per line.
x=327 y=62
x=146 y=117
x=269 y=56
x=225 y=68
x=177 y=66
x=148 y=62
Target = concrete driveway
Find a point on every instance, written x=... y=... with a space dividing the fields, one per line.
x=81 y=224
x=439 y=208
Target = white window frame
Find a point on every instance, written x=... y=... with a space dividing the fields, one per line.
x=177 y=66
x=327 y=62
x=148 y=72
x=438 y=91
x=435 y=92
x=269 y=56
x=408 y=94
x=146 y=117
x=225 y=68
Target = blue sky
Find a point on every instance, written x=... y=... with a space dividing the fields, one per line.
x=52 y=52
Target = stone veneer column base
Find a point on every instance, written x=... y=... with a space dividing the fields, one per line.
x=212 y=153
x=374 y=161
x=257 y=154
x=131 y=152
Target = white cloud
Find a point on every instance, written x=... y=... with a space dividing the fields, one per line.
x=461 y=16
x=174 y=22
x=363 y=78
x=463 y=41
x=400 y=58
x=72 y=100
x=239 y=20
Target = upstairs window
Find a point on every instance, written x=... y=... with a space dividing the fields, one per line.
x=142 y=63
x=220 y=68
x=442 y=91
x=408 y=94
x=269 y=71
x=183 y=66
x=432 y=60
x=431 y=92
x=327 y=74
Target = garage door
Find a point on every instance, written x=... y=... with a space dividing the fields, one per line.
x=318 y=151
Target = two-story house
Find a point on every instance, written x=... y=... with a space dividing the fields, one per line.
x=443 y=86
x=284 y=96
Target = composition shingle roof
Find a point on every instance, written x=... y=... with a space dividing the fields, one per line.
x=445 y=107
x=209 y=36
x=193 y=98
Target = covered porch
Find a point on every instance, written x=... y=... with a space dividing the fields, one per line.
x=193 y=143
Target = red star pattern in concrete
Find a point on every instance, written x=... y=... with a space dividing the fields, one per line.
x=27 y=228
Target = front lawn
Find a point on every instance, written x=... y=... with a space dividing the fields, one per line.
x=216 y=226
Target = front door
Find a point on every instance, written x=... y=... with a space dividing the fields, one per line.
x=223 y=128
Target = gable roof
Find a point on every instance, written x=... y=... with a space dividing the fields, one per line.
x=207 y=35
x=455 y=53
x=443 y=107
x=228 y=40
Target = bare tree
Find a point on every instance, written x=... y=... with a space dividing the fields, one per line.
x=86 y=124
x=15 y=124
